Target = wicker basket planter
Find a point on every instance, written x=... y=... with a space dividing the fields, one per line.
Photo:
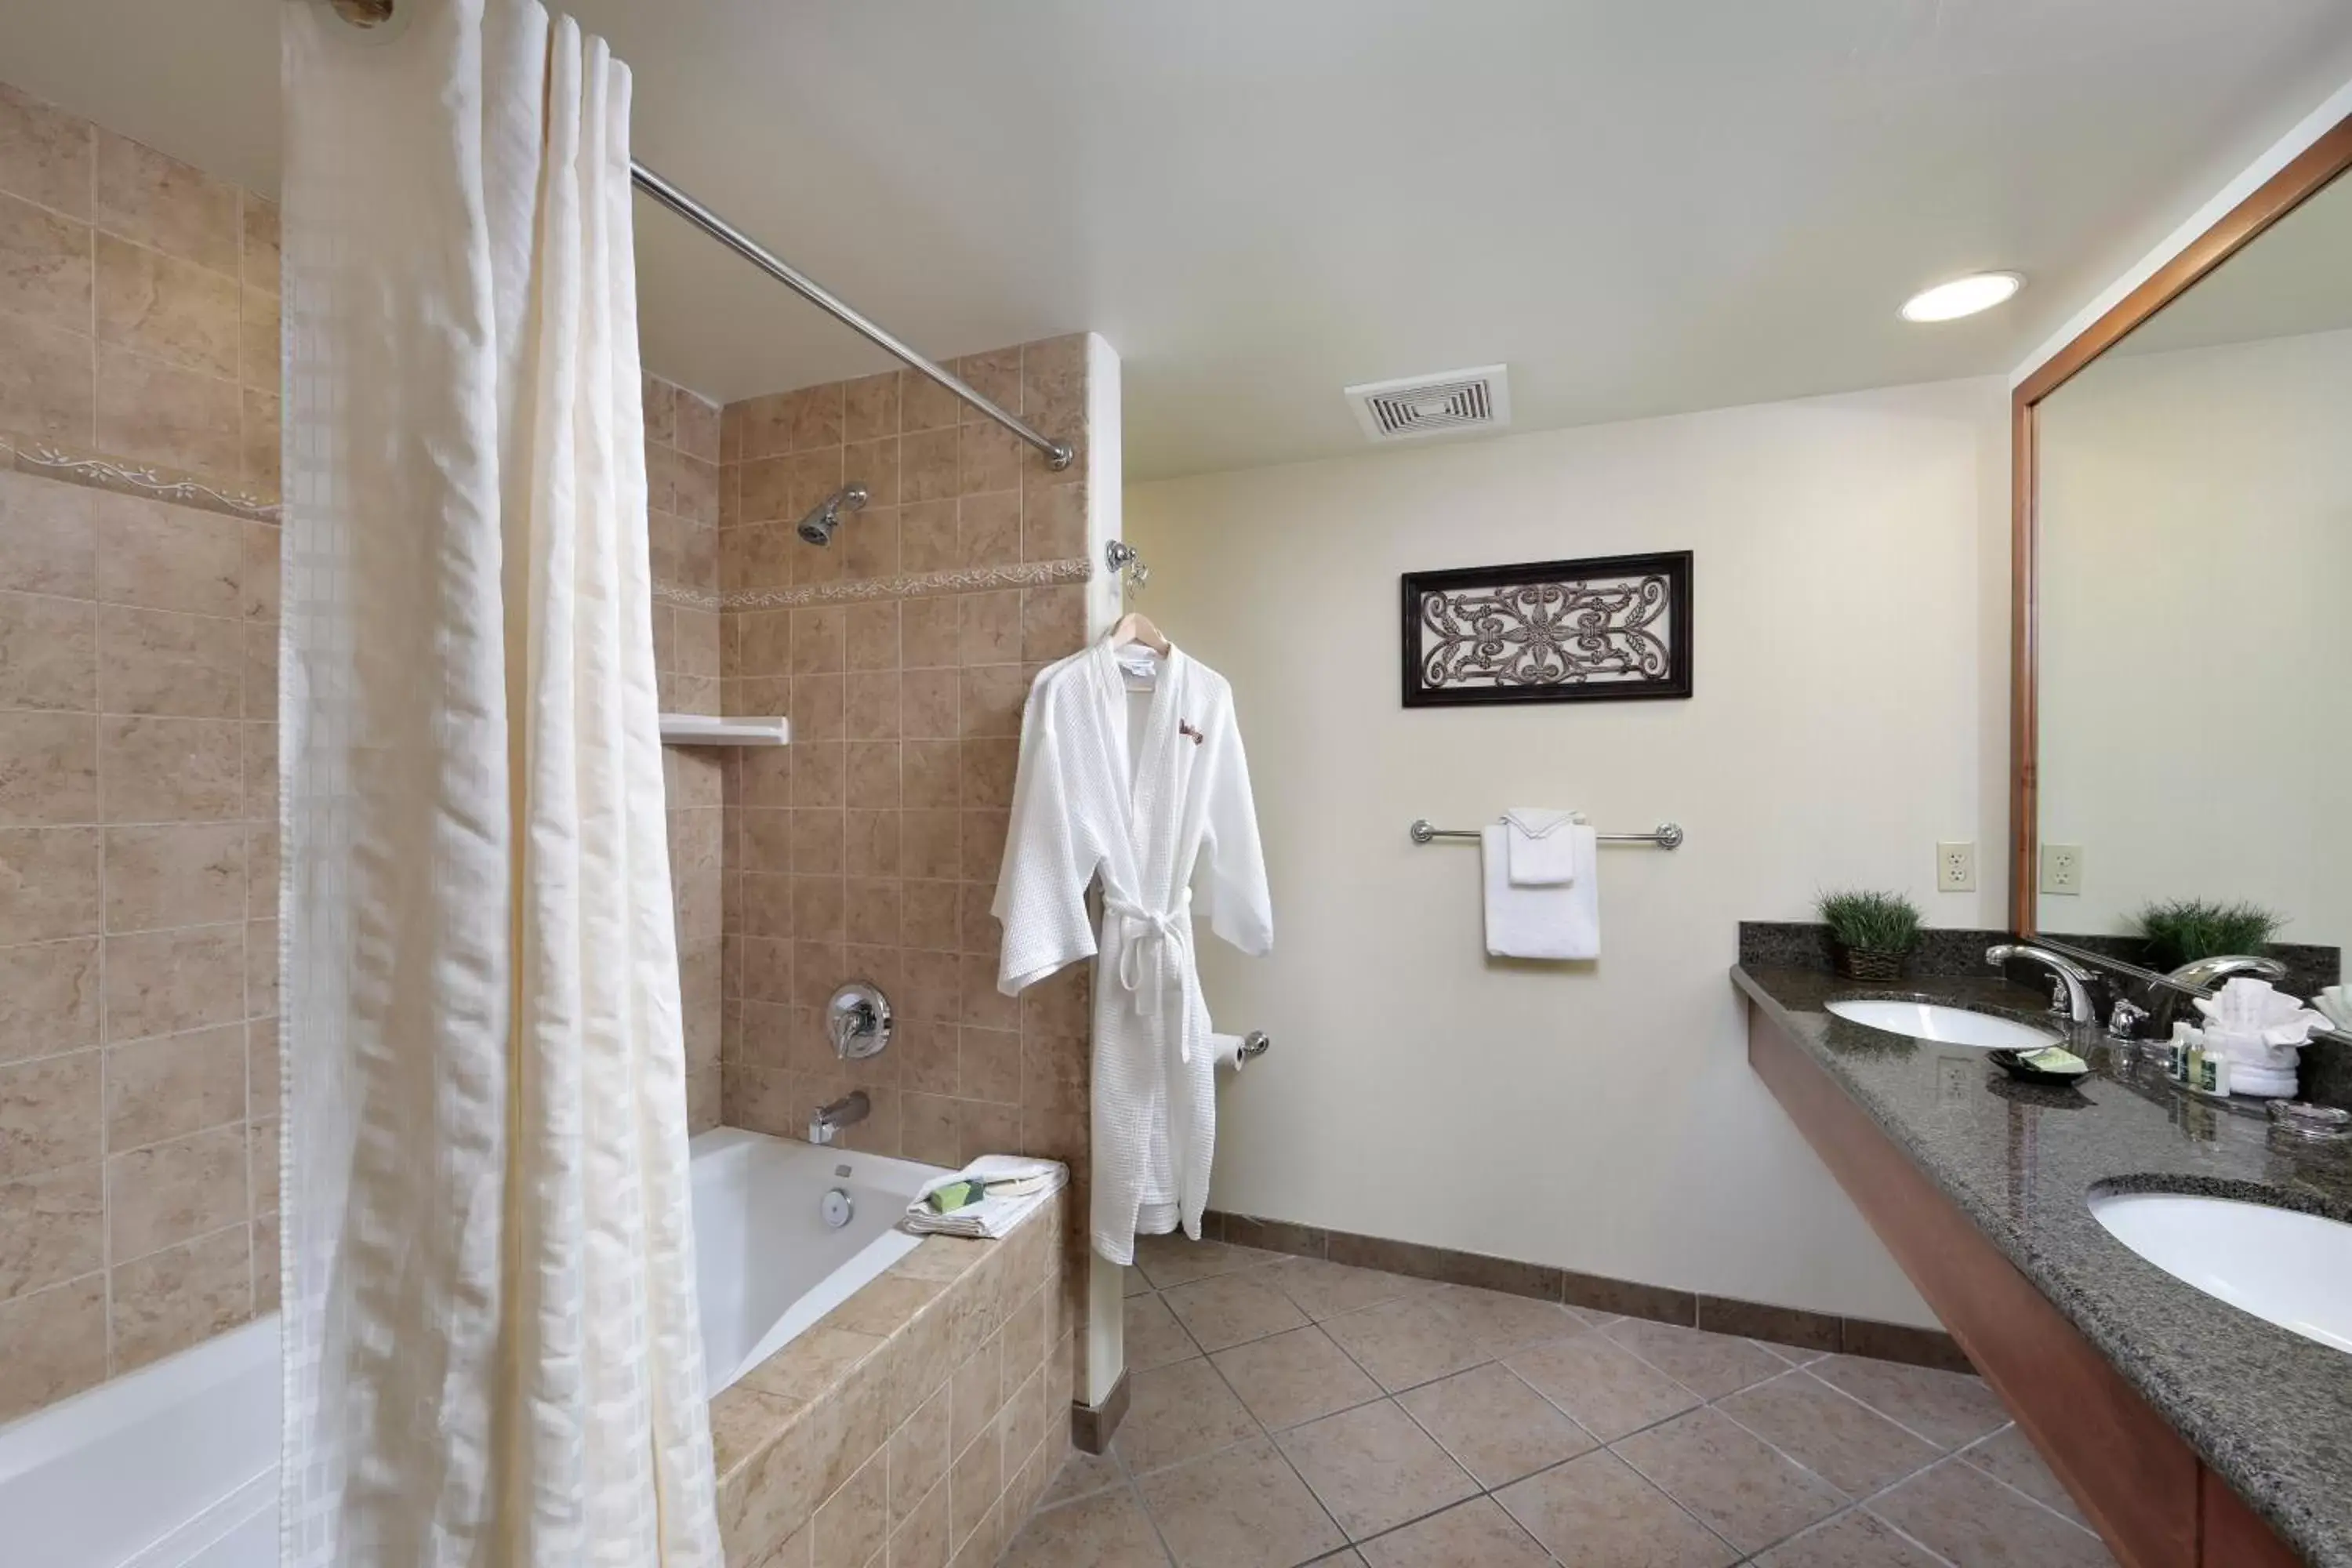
x=1859 y=964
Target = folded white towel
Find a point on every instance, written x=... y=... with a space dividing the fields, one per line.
x=1541 y=923
x=991 y=1218
x=1543 y=852
x=2247 y=1006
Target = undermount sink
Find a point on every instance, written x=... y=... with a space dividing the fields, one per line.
x=2289 y=1268
x=1944 y=1026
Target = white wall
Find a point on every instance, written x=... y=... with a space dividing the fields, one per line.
x=2196 y=634
x=1851 y=710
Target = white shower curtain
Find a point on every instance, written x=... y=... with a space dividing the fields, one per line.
x=493 y=1356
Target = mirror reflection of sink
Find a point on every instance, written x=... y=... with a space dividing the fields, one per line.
x=2289 y=1268
x=1946 y=1025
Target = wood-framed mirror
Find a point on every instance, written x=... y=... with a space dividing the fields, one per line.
x=2181 y=581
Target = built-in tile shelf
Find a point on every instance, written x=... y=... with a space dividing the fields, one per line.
x=702 y=730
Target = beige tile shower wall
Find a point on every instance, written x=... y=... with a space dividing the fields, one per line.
x=682 y=516
x=868 y=848
x=138 y=302
x=138 y=759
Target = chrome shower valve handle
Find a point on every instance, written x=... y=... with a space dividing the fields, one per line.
x=858 y=1019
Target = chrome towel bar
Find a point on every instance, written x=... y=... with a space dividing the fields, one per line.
x=1666 y=835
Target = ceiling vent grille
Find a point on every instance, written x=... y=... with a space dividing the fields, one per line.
x=1442 y=404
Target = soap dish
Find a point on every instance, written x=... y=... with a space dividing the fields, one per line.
x=2017 y=1066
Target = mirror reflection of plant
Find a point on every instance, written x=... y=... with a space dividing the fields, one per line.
x=1871 y=922
x=2182 y=931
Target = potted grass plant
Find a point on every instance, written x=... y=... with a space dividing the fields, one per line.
x=2182 y=931
x=1873 y=935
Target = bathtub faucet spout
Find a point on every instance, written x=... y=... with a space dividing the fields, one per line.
x=829 y=1120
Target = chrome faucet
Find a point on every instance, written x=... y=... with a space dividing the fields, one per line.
x=827 y=1123
x=2202 y=974
x=2070 y=991
x=2206 y=971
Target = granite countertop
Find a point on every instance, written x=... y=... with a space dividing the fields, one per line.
x=2269 y=1410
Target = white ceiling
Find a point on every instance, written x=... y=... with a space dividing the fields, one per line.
x=1640 y=207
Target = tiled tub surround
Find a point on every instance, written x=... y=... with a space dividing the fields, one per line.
x=138 y=755
x=1289 y=1410
x=771 y=1273
x=916 y=1424
x=868 y=848
x=2269 y=1411
x=682 y=519
x=138 y=356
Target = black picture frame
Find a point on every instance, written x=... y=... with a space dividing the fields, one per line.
x=1498 y=646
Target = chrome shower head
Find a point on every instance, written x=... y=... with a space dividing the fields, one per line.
x=818 y=526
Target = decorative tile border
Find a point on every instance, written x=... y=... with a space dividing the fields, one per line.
x=1717 y=1314
x=51 y=462
x=905 y=585
x=48 y=461
x=914 y=584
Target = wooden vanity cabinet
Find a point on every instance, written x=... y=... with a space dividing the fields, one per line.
x=2153 y=1501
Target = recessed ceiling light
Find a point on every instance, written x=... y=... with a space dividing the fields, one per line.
x=1961 y=297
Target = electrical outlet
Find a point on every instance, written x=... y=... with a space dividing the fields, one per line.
x=2061 y=869
x=1956 y=867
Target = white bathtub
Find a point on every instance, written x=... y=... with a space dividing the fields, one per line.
x=767 y=1264
x=175 y=1465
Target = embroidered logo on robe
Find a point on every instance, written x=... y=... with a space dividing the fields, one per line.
x=1185 y=727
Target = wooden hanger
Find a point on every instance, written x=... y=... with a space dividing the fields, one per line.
x=1136 y=626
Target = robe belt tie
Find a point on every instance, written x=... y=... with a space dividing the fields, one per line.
x=1166 y=933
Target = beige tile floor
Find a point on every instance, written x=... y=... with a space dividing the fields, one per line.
x=1290 y=1411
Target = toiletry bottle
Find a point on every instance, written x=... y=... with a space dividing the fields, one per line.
x=2177 y=1063
x=2213 y=1075
x=2195 y=1074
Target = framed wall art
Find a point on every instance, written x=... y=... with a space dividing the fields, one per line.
x=1610 y=628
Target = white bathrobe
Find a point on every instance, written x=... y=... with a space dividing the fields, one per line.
x=1141 y=784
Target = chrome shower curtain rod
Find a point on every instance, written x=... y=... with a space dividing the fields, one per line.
x=1057 y=453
